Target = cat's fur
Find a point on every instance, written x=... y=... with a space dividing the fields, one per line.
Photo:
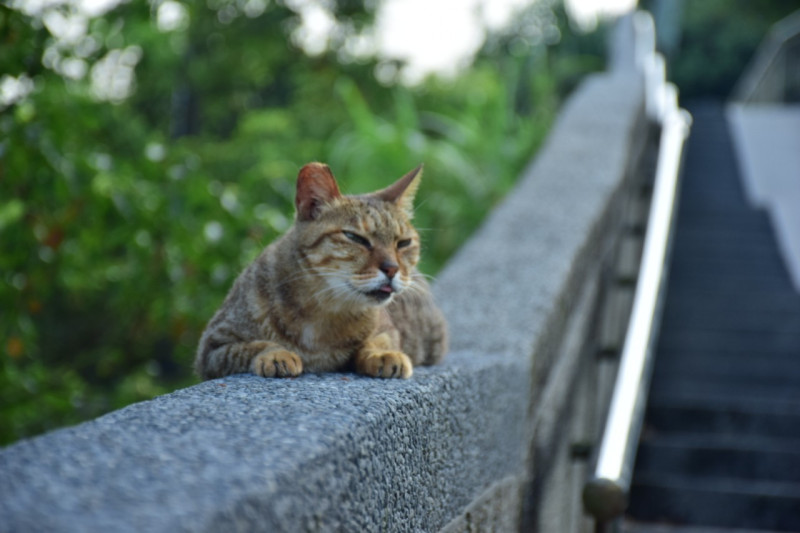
x=339 y=290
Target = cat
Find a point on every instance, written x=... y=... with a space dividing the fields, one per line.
x=338 y=291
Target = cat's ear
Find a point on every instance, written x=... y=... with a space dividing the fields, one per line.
x=316 y=186
x=402 y=191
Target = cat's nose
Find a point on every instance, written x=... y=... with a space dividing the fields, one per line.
x=389 y=268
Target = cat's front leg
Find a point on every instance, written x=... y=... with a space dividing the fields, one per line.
x=380 y=358
x=262 y=358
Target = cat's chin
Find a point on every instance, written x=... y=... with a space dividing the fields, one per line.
x=380 y=296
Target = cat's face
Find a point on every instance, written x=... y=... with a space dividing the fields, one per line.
x=362 y=250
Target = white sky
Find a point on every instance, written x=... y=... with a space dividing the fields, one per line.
x=437 y=35
x=586 y=12
x=442 y=35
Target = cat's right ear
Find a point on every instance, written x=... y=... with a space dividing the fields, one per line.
x=316 y=186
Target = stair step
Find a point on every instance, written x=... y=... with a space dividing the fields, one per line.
x=743 y=296
x=722 y=237
x=715 y=259
x=711 y=200
x=771 y=386
x=732 y=355
x=761 y=311
x=727 y=402
x=727 y=267
x=787 y=322
x=702 y=419
x=740 y=457
x=729 y=368
x=731 y=281
x=717 y=502
x=699 y=386
x=696 y=357
x=750 y=219
x=630 y=526
x=710 y=241
x=723 y=341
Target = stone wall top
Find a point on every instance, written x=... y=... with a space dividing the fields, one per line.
x=340 y=452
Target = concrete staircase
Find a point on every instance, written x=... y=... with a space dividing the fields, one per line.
x=721 y=441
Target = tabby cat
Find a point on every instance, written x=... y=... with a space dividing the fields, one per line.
x=339 y=291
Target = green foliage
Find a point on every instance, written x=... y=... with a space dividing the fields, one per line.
x=125 y=216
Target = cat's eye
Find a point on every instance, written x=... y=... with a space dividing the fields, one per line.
x=358 y=239
x=404 y=243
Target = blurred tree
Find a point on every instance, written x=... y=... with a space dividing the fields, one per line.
x=715 y=41
x=149 y=152
x=117 y=241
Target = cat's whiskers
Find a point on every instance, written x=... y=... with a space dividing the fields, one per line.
x=311 y=272
x=419 y=288
x=335 y=290
x=340 y=296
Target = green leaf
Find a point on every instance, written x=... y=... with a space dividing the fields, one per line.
x=10 y=212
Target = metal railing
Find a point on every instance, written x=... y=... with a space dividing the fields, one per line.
x=773 y=74
x=605 y=495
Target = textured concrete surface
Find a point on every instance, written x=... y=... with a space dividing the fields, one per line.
x=767 y=138
x=450 y=447
x=334 y=452
x=521 y=262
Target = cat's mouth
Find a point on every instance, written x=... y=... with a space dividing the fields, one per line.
x=382 y=293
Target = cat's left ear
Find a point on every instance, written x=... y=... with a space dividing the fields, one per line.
x=402 y=191
x=316 y=187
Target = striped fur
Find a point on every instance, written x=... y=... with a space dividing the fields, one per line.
x=339 y=290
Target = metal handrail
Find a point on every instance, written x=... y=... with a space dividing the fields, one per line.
x=765 y=78
x=605 y=494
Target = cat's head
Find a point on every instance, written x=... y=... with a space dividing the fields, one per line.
x=361 y=249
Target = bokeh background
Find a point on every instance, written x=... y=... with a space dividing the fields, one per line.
x=148 y=152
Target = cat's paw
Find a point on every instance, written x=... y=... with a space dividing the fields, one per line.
x=386 y=364
x=277 y=363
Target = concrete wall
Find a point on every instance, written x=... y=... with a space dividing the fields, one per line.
x=493 y=439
